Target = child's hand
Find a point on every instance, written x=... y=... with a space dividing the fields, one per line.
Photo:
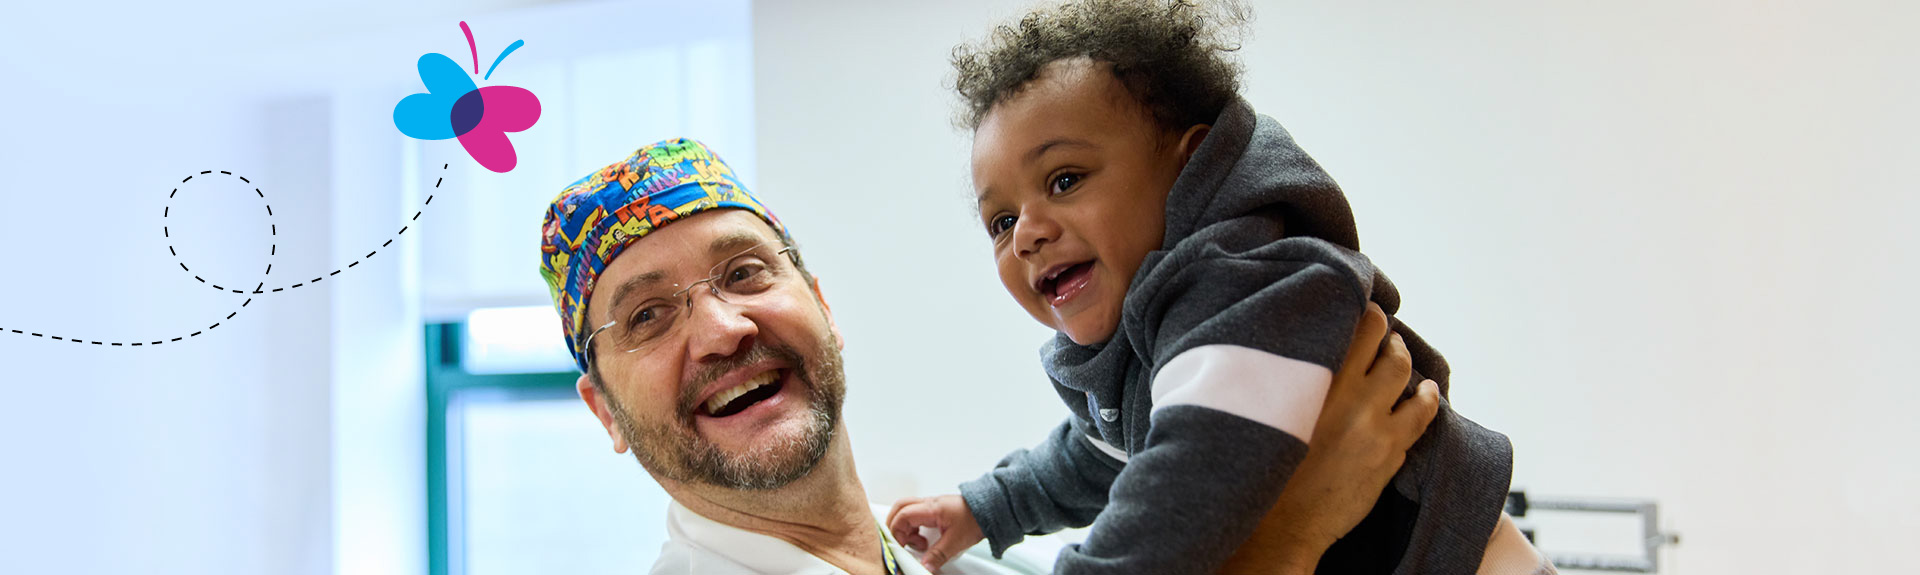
x=948 y=513
x=1360 y=440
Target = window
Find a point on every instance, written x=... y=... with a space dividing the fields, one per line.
x=521 y=476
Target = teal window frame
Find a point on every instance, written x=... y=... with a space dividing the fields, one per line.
x=447 y=381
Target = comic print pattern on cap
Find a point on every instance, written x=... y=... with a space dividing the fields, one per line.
x=598 y=216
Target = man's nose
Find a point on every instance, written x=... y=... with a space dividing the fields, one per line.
x=718 y=329
x=1035 y=228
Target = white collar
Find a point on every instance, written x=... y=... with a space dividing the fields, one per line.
x=715 y=547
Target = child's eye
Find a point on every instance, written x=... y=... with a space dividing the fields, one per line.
x=1062 y=182
x=1000 y=224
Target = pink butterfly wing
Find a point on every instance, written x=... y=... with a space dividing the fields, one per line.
x=508 y=109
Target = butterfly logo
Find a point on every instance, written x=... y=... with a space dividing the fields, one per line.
x=480 y=117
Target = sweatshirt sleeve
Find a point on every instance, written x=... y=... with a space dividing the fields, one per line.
x=1244 y=345
x=1060 y=483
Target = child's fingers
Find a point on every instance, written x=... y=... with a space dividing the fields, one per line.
x=912 y=541
x=942 y=552
x=906 y=520
x=899 y=524
x=903 y=502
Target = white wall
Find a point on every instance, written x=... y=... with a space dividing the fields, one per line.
x=1662 y=243
x=203 y=456
x=223 y=453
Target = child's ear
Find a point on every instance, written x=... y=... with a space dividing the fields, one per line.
x=1190 y=141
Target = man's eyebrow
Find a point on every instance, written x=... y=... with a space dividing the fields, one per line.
x=723 y=246
x=633 y=285
x=733 y=243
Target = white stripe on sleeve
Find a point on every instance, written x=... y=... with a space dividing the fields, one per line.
x=1281 y=392
x=1107 y=448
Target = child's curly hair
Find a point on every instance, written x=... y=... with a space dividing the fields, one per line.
x=1172 y=55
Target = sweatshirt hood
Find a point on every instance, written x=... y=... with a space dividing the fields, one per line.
x=1248 y=164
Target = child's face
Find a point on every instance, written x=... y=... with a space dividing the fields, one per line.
x=1072 y=176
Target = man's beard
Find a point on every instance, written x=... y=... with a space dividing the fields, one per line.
x=675 y=451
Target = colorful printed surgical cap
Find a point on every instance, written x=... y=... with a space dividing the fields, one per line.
x=597 y=217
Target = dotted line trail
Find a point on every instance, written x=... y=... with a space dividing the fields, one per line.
x=272 y=248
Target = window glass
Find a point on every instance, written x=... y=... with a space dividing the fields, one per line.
x=514 y=340
x=544 y=492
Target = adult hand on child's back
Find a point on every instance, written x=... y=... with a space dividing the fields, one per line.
x=1358 y=443
x=948 y=513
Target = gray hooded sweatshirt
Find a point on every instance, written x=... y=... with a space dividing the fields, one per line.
x=1187 y=423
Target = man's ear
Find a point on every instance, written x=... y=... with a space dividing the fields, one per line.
x=1190 y=141
x=828 y=312
x=598 y=405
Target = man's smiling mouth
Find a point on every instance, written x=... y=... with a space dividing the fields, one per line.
x=738 y=398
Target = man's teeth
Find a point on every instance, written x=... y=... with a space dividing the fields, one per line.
x=720 y=400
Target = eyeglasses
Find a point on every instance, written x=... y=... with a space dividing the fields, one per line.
x=738 y=280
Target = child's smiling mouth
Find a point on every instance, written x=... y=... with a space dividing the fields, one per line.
x=1063 y=282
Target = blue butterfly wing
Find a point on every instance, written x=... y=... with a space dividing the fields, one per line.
x=428 y=116
x=443 y=77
